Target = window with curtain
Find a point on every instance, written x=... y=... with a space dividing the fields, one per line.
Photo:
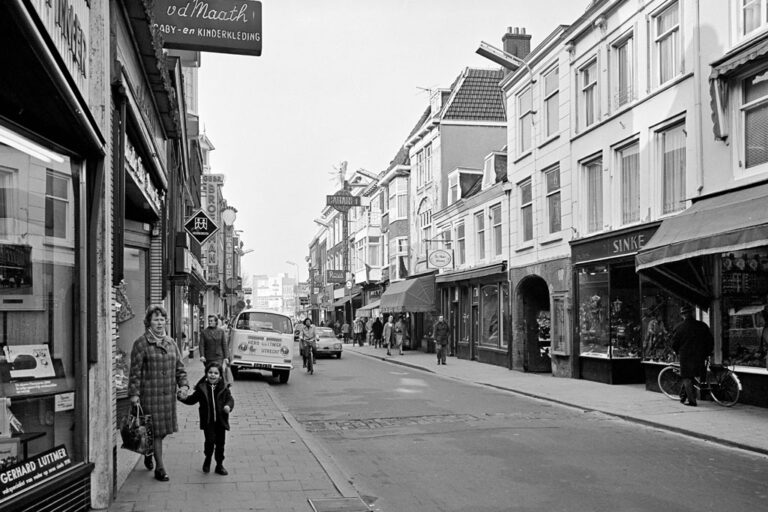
x=755 y=119
x=496 y=229
x=667 y=43
x=629 y=169
x=594 y=181
x=673 y=168
x=589 y=93
x=7 y=200
x=552 y=102
x=751 y=15
x=489 y=307
x=525 y=120
x=374 y=251
x=461 y=247
x=552 y=178
x=624 y=71
x=398 y=199
x=526 y=210
x=480 y=236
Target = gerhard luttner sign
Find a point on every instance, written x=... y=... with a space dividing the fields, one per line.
x=223 y=26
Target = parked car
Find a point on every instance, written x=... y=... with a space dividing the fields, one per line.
x=327 y=342
x=262 y=340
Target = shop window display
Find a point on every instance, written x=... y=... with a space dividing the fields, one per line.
x=745 y=307
x=594 y=327
x=489 y=296
x=38 y=394
x=659 y=315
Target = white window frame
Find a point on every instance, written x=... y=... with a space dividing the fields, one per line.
x=9 y=181
x=598 y=224
x=461 y=243
x=497 y=237
x=625 y=217
x=744 y=108
x=553 y=193
x=526 y=210
x=619 y=97
x=398 y=196
x=551 y=102
x=428 y=163
x=589 y=89
x=69 y=229
x=740 y=29
x=479 y=224
x=661 y=145
x=658 y=39
x=454 y=190
x=373 y=254
x=525 y=119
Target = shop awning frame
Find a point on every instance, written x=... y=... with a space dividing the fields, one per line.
x=472 y=273
x=678 y=255
x=340 y=302
x=415 y=295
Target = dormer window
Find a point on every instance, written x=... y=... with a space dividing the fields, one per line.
x=463 y=183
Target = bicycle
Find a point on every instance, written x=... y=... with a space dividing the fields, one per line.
x=722 y=384
x=309 y=356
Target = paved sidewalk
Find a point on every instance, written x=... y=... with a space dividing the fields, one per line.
x=741 y=426
x=273 y=464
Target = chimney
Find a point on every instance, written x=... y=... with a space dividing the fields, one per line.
x=517 y=42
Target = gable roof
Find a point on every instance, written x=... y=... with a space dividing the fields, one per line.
x=477 y=96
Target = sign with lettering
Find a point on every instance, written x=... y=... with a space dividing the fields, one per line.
x=222 y=26
x=440 y=258
x=67 y=23
x=22 y=475
x=200 y=226
x=342 y=201
x=335 y=276
x=616 y=245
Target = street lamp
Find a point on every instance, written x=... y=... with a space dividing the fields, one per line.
x=295 y=290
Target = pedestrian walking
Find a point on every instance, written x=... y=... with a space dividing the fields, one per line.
x=216 y=402
x=156 y=372
x=358 y=328
x=345 y=331
x=693 y=342
x=213 y=345
x=369 y=331
x=377 y=329
x=401 y=332
x=388 y=335
x=441 y=331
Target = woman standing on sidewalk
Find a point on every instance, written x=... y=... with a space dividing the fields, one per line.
x=156 y=371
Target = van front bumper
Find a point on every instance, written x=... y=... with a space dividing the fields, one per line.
x=252 y=365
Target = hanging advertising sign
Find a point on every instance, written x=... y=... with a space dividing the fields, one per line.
x=439 y=258
x=221 y=26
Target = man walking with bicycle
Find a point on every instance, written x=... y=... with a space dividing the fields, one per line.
x=692 y=342
x=307 y=339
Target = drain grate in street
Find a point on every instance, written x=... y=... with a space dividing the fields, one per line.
x=375 y=423
x=339 y=505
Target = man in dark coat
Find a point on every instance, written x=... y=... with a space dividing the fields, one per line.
x=213 y=345
x=693 y=343
x=378 y=329
x=442 y=333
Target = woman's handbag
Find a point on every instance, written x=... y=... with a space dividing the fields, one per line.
x=136 y=431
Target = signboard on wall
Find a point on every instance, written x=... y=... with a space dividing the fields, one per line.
x=221 y=26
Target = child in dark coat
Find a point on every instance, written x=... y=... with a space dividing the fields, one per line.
x=216 y=403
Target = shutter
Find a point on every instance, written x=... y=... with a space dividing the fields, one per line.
x=156 y=268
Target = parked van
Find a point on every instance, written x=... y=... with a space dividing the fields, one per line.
x=262 y=340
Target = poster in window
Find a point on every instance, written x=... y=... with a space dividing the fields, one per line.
x=29 y=361
x=20 y=288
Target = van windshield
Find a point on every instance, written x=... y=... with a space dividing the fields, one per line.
x=264 y=322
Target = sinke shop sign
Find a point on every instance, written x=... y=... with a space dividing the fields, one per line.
x=222 y=26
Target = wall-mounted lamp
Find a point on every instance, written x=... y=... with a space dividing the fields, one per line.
x=570 y=47
x=601 y=22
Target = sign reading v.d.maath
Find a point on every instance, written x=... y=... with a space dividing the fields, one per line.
x=222 y=26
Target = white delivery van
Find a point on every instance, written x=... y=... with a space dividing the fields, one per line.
x=263 y=341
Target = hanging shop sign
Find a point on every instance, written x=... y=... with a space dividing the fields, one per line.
x=200 y=226
x=221 y=26
x=342 y=201
x=439 y=258
x=335 y=276
x=23 y=475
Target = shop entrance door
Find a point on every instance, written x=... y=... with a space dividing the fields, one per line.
x=475 y=333
x=454 y=321
x=536 y=321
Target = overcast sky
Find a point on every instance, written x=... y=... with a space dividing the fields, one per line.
x=337 y=80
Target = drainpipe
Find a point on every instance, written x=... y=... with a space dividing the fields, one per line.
x=697 y=84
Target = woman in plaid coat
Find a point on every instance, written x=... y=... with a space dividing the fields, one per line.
x=156 y=370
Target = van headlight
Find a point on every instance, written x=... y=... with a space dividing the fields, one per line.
x=284 y=350
x=242 y=347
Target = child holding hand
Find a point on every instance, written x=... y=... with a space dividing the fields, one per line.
x=216 y=403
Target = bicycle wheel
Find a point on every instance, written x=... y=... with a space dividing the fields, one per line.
x=310 y=361
x=670 y=382
x=725 y=388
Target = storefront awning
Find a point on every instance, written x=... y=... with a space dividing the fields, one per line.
x=473 y=273
x=340 y=302
x=373 y=305
x=724 y=223
x=412 y=295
